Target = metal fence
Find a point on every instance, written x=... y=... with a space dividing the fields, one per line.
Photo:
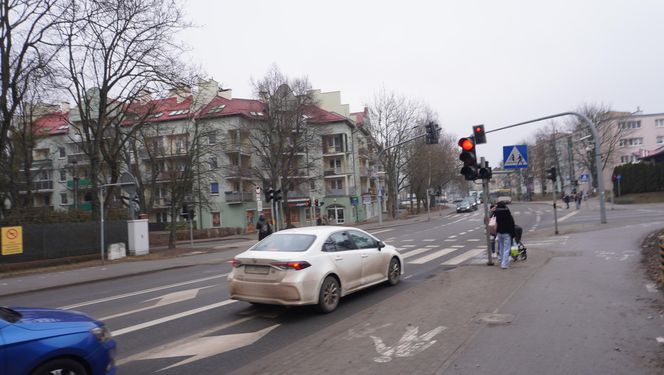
x=52 y=241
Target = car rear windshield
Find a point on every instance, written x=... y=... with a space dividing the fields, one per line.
x=285 y=242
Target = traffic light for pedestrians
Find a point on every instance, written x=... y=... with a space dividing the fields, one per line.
x=478 y=134
x=551 y=174
x=484 y=171
x=277 y=195
x=307 y=203
x=469 y=158
x=433 y=131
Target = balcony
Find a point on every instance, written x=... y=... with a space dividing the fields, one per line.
x=234 y=148
x=77 y=158
x=43 y=185
x=333 y=150
x=237 y=173
x=239 y=197
x=298 y=193
x=339 y=192
x=42 y=164
x=82 y=183
x=335 y=172
x=162 y=202
x=84 y=206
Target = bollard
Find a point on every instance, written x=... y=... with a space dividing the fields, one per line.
x=661 y=259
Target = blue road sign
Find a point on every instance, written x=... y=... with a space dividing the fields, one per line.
x=515 y=157
x=585 y=177
x=618 y=177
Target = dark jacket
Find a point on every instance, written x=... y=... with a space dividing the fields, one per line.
x=263 y=227
x=504 y=220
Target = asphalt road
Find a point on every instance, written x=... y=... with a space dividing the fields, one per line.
x=579 y=304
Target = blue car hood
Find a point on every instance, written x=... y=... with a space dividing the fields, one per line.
x=40 y=319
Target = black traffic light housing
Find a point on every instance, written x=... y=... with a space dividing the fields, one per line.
x=484 y=171
x=277 y=195
x=269 y=194
x=433 y=133
x=478 y=134
x=307 y=203
x=551 y=174
x=469 y=158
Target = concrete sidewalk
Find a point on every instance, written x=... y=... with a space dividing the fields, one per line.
x=204 y=251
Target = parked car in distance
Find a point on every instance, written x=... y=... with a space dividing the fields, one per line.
x=36 y=341
x=466 y=205
x=313 y=266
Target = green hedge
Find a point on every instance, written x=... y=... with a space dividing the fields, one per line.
x=639 y=178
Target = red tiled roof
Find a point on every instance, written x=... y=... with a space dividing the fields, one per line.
x=321 y=116
x=359 y=117
x=220 y=107
x=52 y=123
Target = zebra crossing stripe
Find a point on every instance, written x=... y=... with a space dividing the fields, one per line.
x=432 y=256
x=463 y=257
x=415 y=252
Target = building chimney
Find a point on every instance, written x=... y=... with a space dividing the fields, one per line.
x=226 y=93
x=180 y=92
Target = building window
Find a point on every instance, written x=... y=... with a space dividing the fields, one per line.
x=631 y=141
x=659 y=123
x=216 y=219
x=213 y=162
x=212 y=139
x=62 y=152
x=660 y=139
x=629 y=125
x=214 y=188
x=337 y=184
x=63 y=199
x=63 y=175
x=628 y=159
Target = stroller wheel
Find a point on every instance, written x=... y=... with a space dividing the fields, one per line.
x=524 y=256
x=515 y=258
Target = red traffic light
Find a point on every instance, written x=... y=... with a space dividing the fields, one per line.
x=466 y=144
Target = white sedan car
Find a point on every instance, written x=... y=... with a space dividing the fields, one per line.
x=313 y=265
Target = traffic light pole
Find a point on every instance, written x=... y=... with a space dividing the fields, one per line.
x=555 y=211
x=485 y=201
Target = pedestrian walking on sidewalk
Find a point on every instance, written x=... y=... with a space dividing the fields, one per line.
x=263 y=227
x=504 y=232
x=566 y=200
x=579 y=198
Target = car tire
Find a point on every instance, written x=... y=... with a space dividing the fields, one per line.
x=66 y=366
x=394 y=272
x=328 y=297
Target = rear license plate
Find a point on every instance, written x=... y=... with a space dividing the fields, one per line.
x=256 y=270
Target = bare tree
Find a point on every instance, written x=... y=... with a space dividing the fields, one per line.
x=116 y=49
x=610 y=132
x=284 y=141
x=393 y=118
x=27 y=50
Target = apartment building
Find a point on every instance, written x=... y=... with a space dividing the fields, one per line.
x=225 y=195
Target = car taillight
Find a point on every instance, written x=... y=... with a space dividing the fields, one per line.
x=235 y=263
x=292 y=265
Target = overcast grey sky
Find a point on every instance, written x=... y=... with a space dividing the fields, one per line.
x=492 y=62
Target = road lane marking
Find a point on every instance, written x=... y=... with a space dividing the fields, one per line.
x=568 y=216
x=169 y=318
x=113 y=298
x=415 y=252
x=473 y=239
x=381 y=231
x=463 y=257
x=178 y=343
x=429 y=240
x=432 y=256
x=167 y=299
x=458 y=245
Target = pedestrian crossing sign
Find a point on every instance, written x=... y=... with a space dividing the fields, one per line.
x=515 y=157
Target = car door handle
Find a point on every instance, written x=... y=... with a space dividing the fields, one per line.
x=365 y=255
x=338 y=258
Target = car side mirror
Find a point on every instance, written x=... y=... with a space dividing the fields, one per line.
x=380 y=245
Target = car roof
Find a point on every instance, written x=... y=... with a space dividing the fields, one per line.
x=319 y=230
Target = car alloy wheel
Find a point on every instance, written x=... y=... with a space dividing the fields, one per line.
x=328 y=298
x=394 y=272
x=60 y=366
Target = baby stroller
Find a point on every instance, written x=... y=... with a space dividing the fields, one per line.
x=518 y=250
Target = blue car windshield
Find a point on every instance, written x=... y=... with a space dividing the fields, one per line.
x=285 y=242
